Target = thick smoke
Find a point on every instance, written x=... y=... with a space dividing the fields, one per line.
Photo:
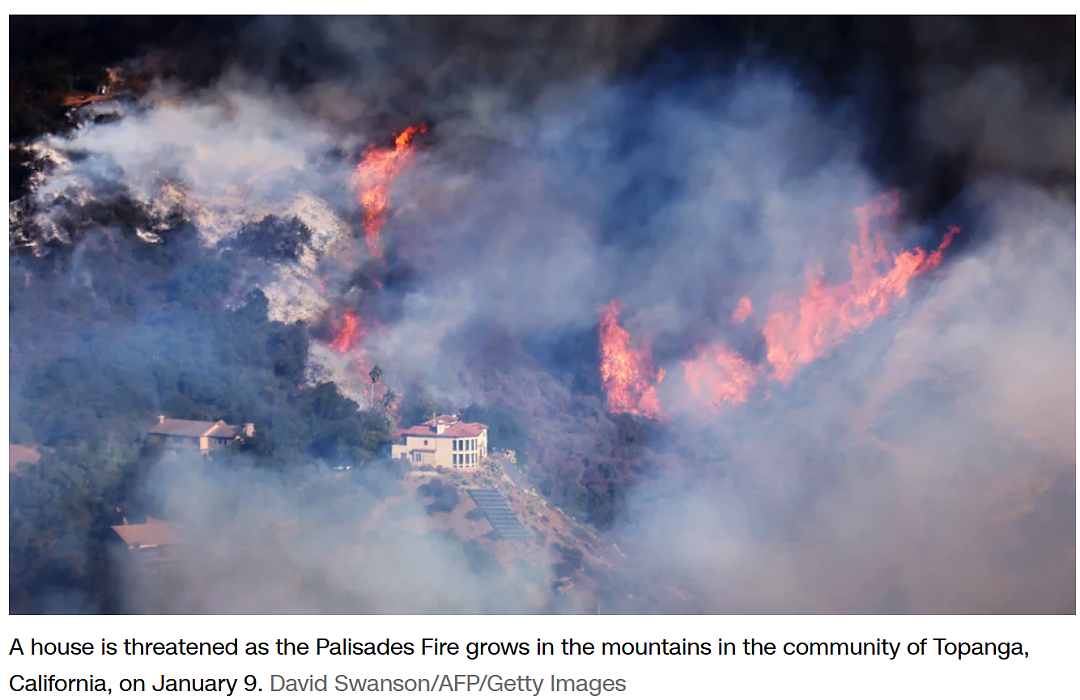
x=252 y=546
x=927 y=465
x=930 y=470
x=997 y=113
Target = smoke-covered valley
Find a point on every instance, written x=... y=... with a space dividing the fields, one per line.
x=772 y=320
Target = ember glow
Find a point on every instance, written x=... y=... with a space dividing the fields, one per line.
x=720 y=376
x=628 y=375
x=801 y=331
x=796 y=332
x=372 y=179
x=361 y=373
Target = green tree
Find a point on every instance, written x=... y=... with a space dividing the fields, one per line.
x=376 y=375
x=388 y=400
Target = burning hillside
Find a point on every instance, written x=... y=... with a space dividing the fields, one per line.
x=372 y=179
x=796 y=332
x=627 y=373
x=674 y=294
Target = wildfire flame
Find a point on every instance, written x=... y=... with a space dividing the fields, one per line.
x=372 y=179
x=627 y=374
x=347 y=333
x=796 y=332
x=799 y=333
x=720 y=375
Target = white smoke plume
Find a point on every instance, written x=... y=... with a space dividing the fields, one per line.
x=927 y=465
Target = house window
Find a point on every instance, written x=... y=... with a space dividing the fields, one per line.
x=416 y=457
x=425 y=443
x=455 y=460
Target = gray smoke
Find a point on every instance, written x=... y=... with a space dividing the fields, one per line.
x=931 y=471
x=926 y=466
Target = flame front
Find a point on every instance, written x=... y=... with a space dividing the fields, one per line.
x=719 y=375
x=348 y=333
x=627 y=374
x=372 y=179
x=798 y=333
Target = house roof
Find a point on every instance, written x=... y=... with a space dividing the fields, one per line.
x=221 y=430
x=194 y=428
x=21 y=454
x=152 y=533
x=453 y=427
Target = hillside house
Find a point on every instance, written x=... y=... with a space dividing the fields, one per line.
x=444 y=441
x=154 y=542
x=200 y=435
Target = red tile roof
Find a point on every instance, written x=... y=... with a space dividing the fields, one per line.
x=453 y=427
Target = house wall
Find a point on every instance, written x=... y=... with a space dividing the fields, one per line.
x=469 y=448
x=469 y=451
x=179 y=442
x=443 y=451
x=413 y=443
x=203 y=444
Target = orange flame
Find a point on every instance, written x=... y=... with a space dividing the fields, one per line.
x=796 y=333
x=720 y=375
x=743 y=311
x=801 y=332
x=372 y=179
x=627 y=374
x=348 y=333
x=394 y=406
